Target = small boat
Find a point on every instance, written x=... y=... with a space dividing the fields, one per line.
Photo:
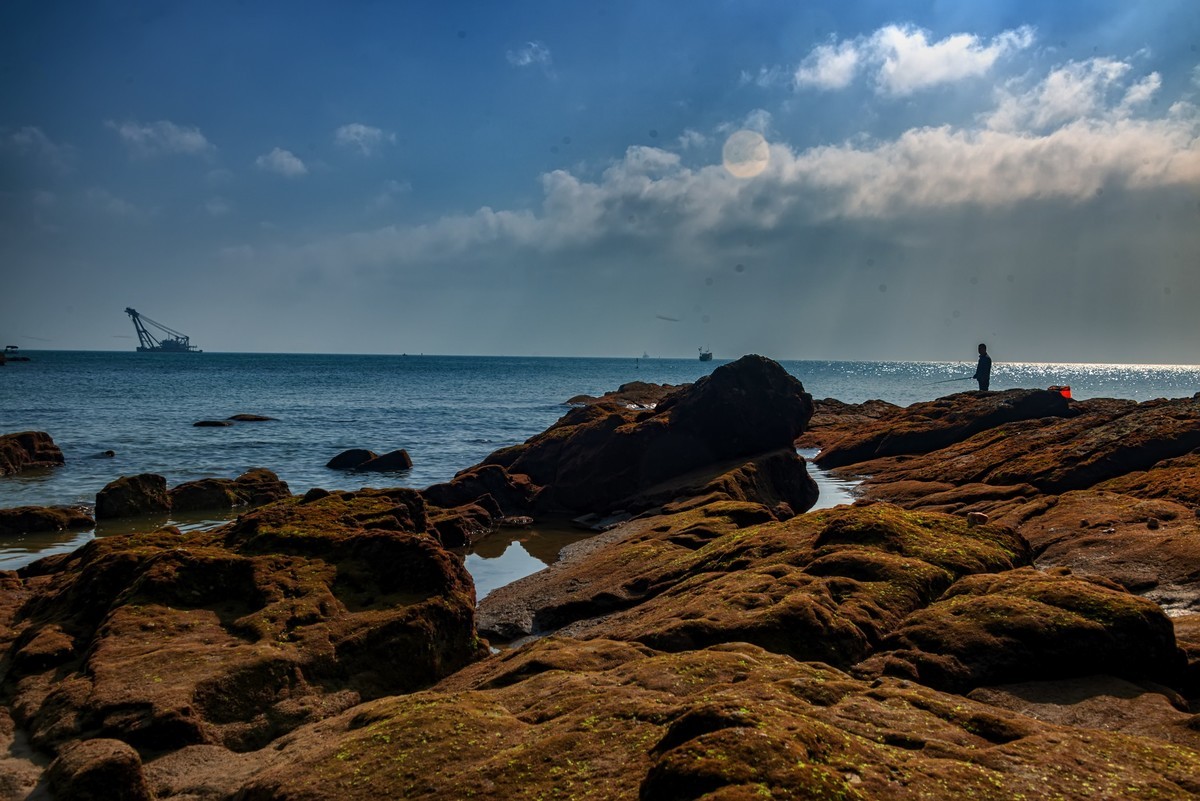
x=705 y=355
x=11 y=354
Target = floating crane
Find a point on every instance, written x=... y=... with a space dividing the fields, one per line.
x=172 y=341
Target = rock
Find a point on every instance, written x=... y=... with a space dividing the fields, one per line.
x=212 y=424
x=393 y=461
x=1025 y=624
x=348 y=460
x=130 y=496
x=255 y=487
x=236 y=636
x=925 y=427
x=600 y=458
x=250 y=418
x=604 y=719
x=99 y=770
x=639 y=394
x=28 y=519
x=977 y=518
x=1152 y=523
x=28 y=450
x=516 y=521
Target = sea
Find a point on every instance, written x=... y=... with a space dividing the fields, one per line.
x=448 y=412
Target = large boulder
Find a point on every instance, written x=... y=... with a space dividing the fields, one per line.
x=27 y=450
x=131 y=496
x=27 y=519
x=255 y=487
x=603 y=457
x=99 y=770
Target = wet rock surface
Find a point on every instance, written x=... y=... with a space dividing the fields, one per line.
x=29 y=519
x=27 y=450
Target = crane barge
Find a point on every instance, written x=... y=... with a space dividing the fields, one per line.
x=172 y=341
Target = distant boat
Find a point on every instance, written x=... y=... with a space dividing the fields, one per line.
x=11 y=354
x=172 y=341
x=705 y=355
x=645 y=355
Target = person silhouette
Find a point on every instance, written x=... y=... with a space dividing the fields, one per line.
x=983 y=372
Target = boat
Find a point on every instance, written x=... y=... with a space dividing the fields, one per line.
x=172 y=342
x=705 y=355
x=11 y=354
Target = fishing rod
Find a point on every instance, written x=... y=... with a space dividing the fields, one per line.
x=948 y=380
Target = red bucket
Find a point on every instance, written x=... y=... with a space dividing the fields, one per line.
x=1064 y=391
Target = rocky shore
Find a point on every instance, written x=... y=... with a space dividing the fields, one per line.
x=1010 y=610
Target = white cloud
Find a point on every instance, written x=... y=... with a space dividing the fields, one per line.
x=831 y=66
x=530 y=55
x=758 y=119
x=904 y=61
x=1074 y=91
x=32 y=141
x=363 y=138
x=691 y=139
x=909 y=62
x=161 y=138
x=283 y=162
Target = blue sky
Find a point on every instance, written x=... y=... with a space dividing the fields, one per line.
x=547 y=177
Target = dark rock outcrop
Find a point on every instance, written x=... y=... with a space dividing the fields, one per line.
x=350 y=459
x=390 y=462
x=250 y=418
x=635 y=393
x=28 y=519
x=925 y=427
x=253 y=488
x=606 y=457
x=212 y=424
x=27 y=450
x=130 y=496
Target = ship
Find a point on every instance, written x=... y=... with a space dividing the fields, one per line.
x=705 y=355
x=172 y=341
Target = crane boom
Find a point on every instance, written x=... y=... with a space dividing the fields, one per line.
x=171 y=342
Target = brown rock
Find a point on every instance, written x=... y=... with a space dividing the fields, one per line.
x=212 y=424
x=393 y=461
x=635 y=393
x=236 y=636
x=925 y=427
x=27 y=519
x=130 y=496
x=255 y=487
x=603 y=720
x=99 y=770
x=250 y=418
x=27 y=450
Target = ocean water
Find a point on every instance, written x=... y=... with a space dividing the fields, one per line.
x=448 y=412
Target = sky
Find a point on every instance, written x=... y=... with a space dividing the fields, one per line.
x=805 y=180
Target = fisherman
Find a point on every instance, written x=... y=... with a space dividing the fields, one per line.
x=983 y=372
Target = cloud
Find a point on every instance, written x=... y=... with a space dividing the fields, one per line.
x=283 y=162
x=903 y=61
x=362 y=138
x=765 y=78
x=831 y=66
x=389 y=192
x=691 y=139
x=32 y=141
x=161 y=138
x=1073 y=91
x=532 y=54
